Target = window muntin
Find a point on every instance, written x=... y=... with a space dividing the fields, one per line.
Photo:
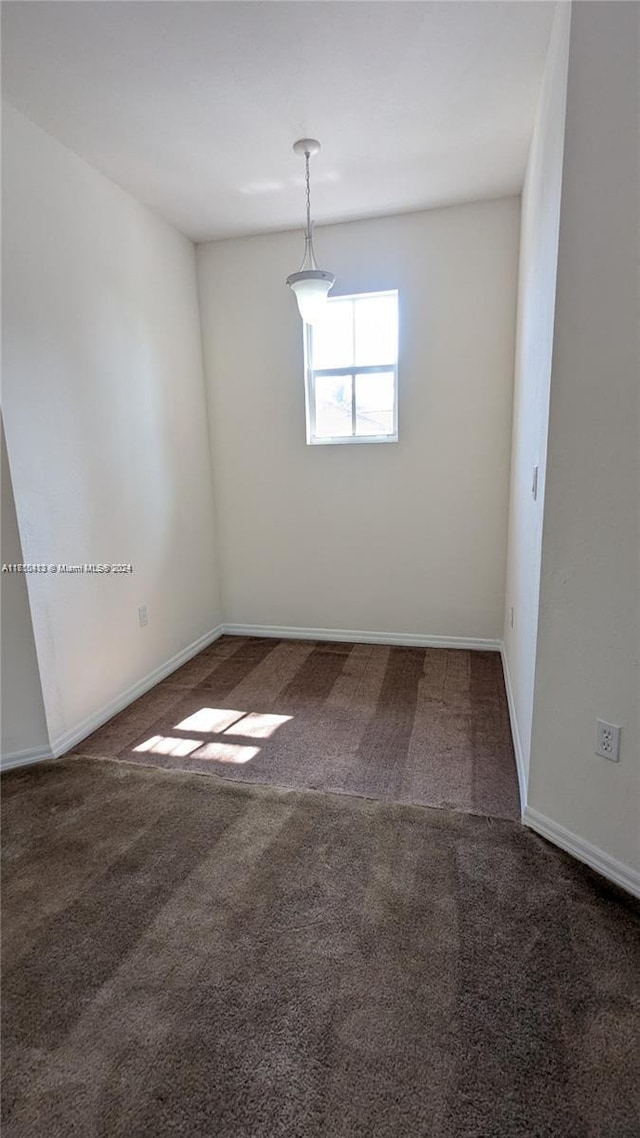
x=351 y=370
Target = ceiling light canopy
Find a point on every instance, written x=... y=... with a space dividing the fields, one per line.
x=310 y=284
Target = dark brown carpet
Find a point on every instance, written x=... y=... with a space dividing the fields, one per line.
x=414 y=725
x=189 y=957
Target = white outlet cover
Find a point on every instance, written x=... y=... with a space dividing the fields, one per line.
x=608 y=741
x=143 y=616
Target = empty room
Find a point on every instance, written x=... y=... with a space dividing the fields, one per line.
x=320 y=569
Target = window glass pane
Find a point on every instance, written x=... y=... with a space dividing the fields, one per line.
x=333 y=406
x=376 y=330
x=332 y=344
x=374 y=403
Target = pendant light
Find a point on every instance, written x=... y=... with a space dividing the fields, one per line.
x=310 y=284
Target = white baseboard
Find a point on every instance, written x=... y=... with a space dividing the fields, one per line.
x=25 y=757
x=349 y=635
x=64 y=743
x=616 y=871
x=515 y=731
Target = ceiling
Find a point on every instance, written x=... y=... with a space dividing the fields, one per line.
x=193 y=106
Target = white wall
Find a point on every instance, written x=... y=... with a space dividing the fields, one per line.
x=398 y=538
x=540 y=218
x=23 y=724
x=105 y=416
x=589 y=625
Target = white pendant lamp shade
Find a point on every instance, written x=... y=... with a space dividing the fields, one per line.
x=311 y=293
x=310 y=284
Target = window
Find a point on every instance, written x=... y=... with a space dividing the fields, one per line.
x=351 y=370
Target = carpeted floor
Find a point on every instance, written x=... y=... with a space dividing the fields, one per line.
x=414 y=725
x=185 y=956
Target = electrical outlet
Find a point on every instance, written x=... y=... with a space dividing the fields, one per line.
x=143 y=616
x=534 y=484
x=511 y=616
x=608 y=741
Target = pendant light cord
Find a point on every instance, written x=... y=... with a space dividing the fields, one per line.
x=306 y=158
x=309 y=276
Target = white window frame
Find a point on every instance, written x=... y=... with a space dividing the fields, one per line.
x=310 y=391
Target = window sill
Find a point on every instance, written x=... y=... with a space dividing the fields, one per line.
x=350 y=440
